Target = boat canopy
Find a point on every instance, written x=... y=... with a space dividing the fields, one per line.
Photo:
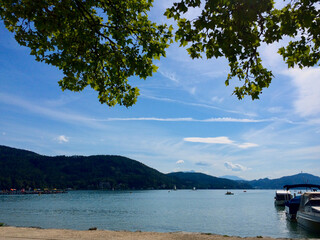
x=282 y=192
x=301 y=186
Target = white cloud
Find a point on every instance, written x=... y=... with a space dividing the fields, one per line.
x=62 y=139
x=197 y=105
x=67 y=116
x=40 y=109
x=216 y=99
x=228 y=119
x=220 y=140
x=247 y=145
x=149 y=119
x=315 y=121
x=270 y=56
x=169 y=75
x=216 y=74
x=275 y=109
x=235 y=167
x=308 y=90
x=193 y=13
x=192 y=90
x=214 y=140
x=224 y=119
x=180 y=162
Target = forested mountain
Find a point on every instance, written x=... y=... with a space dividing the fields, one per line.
x=203 y=181
x=278 y=183
x=25 y=169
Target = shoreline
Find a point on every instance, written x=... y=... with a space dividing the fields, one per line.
x=28 y=233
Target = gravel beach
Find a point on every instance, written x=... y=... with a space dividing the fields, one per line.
x=15 y=233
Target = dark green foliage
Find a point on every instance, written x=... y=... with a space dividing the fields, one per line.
x=236 y=29
x=102 y=43
x=203 y=181
x=96 y=43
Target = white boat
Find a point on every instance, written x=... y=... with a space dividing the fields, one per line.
x=281 y=197
x=308 y=215
x=292 y=205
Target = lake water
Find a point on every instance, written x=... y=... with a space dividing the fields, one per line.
x=250 y=213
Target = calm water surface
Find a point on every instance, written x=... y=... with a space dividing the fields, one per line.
x=250 y=213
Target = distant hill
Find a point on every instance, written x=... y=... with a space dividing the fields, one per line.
x=278 y=183
x=203 y=181
x=231 y=177
x=24 y=169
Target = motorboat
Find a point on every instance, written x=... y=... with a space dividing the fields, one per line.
x=292 y=205
x=308 y=215
x=229 y=193
x=281 y=197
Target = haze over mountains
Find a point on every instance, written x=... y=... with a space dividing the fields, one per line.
x=231 y=177
x=26 y=169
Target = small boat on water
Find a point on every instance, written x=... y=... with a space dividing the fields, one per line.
x=308 y=215
x=281 y=197
x=229 y=193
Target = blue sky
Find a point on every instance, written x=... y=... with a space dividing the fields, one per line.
x=185 y=118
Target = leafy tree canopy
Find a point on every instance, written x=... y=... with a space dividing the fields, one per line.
x=236 y=29
x=102 y=43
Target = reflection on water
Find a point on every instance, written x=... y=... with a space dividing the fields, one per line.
x=292 y=226
x=279 y=208
x=250 y=213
